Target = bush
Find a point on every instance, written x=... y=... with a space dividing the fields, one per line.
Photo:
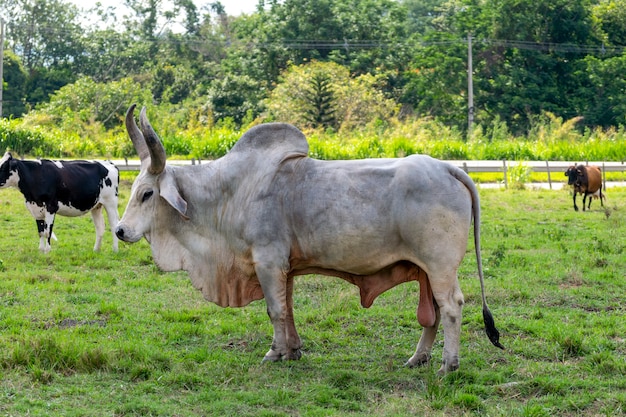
x=24 y=141
x=187 y=132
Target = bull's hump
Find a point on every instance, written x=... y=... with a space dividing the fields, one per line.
x=274 y=137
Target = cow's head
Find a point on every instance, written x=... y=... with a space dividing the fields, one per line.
x=573 y=175
x=153 y=186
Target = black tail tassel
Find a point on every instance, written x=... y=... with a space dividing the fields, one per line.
x=490 y=328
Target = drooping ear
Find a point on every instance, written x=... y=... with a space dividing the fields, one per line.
x=169 y=192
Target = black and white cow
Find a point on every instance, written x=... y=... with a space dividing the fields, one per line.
x=67 y=188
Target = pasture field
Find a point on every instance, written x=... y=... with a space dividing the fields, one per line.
x=106 y=334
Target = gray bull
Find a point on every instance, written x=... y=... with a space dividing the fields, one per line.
x=244 y=225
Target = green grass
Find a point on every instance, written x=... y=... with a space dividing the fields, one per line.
x=105 y=334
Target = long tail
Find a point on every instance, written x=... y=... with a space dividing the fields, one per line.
x=490 y=327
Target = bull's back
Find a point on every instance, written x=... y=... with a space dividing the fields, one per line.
x=365 y=214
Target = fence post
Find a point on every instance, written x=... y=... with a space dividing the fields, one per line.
x=506 y=181
x=548 y=169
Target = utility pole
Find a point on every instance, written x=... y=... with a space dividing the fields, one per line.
x=1 y=61
x=470 y=87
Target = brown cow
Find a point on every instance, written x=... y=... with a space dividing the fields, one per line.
x=585 y=180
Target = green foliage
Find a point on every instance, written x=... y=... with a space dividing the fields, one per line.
x=436 y=77
x=335 y=65
x=530 y=57
x=86 y=101
x=353 y=102
x=233 y=97
x=24 y=141
x=321 y=102
x=190 y=134
x=13 y=93
x=518 y=175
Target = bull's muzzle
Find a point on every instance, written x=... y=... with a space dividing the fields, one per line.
x=119 y=232
x=127 y=234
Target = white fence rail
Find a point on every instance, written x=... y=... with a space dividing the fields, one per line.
x=556 y=168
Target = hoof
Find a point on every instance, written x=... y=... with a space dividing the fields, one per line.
x=275 y=356
x=294 y=355
x=415 y=361
x=448 y=367
x=272 y=356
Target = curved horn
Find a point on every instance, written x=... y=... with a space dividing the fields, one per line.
x=155 y=147
x=136 y=136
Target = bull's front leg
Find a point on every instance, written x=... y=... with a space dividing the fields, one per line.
x=575 y=206
x=274 y=282
x=294 y=344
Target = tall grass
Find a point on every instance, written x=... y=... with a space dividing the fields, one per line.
x=550 y=138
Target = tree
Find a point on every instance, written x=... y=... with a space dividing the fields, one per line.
x=47 y=38
x=44 y=33
x=436 y=83
x=13 y=94
x=601 y=100
x=110 y=55
x=320 y=97
x=85 y=102
x=352 y=102
x=367 y=36
x=610 y=18
x=526 y=76
x=423 y=16
x=522 y=66
x=234 y=97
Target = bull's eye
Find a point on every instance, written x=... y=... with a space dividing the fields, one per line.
x=147 y=195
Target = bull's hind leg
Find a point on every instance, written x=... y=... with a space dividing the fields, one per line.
x=98 y=221
x=448 y=310
x=449 y=297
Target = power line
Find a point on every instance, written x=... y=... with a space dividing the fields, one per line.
x=374 y=43
x=365 y=44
